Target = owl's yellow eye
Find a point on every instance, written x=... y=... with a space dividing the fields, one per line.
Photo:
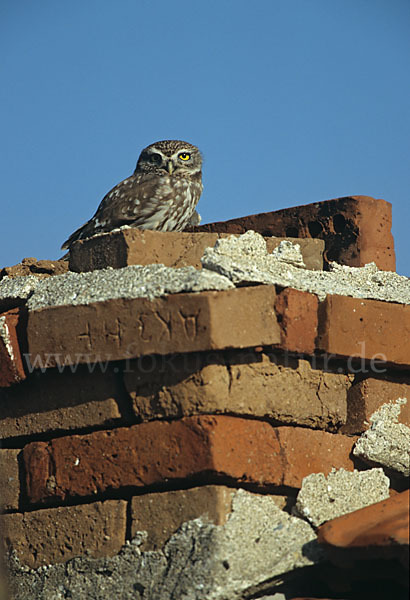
x=184 y=156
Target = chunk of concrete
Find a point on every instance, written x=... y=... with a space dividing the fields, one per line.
x=201 y=561
x=245 y=260
x=289 y=252
x=14 y=291
x=324 y=498
x=150 y=281
x=387 y=442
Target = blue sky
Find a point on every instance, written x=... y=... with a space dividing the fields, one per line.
x=290 y=101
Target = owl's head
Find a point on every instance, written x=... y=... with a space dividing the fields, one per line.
x=171 y=157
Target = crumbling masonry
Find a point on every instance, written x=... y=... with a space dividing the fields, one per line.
x=215 y=414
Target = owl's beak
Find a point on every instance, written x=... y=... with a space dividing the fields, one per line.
x=170 y=167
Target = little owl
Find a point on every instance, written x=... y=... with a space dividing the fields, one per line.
x=161 y=194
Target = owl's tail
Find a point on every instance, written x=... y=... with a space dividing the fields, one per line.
x=77 y=235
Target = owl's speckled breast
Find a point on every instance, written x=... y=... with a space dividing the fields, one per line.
x=175 y=201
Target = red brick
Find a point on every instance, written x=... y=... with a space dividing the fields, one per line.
x=170 y=248
x=297 y=317
x=356 y=229
x=268 y=385
x=385 y=523
x=245 y=450
x=160 y=514
x=10 y=487
x=366 y=396
x=11 y=363
x=53 y=401
x=367 y=329
x=55 y=535
x=126 y=328
x=32 y=266
x=305 y=451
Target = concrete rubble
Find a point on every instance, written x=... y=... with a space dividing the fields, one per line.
x=234 y=261
x=324 y=498
x=135 y=281
x=16 y=290
x=201 y=561
x=259 y=410
x=386 y=442
x=290 y=253
x=245 y=260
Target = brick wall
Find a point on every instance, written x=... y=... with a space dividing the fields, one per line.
x=136 y=414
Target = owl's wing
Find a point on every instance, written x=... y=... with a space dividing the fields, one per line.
x=136 y=200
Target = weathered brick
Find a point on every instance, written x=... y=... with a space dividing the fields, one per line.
x=279 y=387
x=10 y=484
x=368 y=329
x=380 y=525
x=366 y=396
x=54 y=535
x=305 y=451
x=39 y=268
x=171 y=248
x=356 y=229
x=193 y=447
x=297 y=317
x=126 y=328
x=11 y=364
x=53 y=401
x=160 y=514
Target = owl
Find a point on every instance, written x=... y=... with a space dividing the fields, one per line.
x=161 y=194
